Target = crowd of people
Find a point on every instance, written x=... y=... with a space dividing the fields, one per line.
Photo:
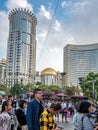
x=39 y=114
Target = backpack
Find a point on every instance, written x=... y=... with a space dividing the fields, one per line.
x=65 y=110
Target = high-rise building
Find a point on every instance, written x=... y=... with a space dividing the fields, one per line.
x=21 y=50
x=79 y=61
x=2 y=71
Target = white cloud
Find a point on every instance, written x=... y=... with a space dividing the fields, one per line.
x=77 y=24
x=4 y=24
x=57 y=26
x=3 y=33
x=11 y=4
x=45 y=12
x=66 y=3
x=82 y=21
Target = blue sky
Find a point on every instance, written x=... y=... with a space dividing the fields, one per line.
x=74 y=22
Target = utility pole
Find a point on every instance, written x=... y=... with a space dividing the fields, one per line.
x=63 y=83
x=93 y=87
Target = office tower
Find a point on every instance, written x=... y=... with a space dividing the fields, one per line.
x=21 y=50
x=2 y=71
x=78 y=61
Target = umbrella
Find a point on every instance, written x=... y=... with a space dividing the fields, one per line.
x=30 y=93
x=78 y=96
x=55 y=97
x=61 y=95
x=46 y=93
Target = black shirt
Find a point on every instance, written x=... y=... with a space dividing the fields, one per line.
x=40 y=108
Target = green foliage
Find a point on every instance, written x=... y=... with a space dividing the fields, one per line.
x=38 y=83
x=72 y=90
x=16 y=90
x=29 y=87
x=54 y=88
x=87 y=87
x=69 y=91
x=4 y=88
x=43 y=87
x=0 y=70
x=33 y=87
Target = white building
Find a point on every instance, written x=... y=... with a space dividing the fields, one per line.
x=21 y=50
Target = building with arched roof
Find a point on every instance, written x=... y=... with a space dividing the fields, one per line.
x=49 y=76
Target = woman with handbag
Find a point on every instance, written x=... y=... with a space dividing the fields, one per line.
x=21 y=115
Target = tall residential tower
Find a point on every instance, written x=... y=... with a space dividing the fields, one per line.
x=79 y=60
x=21 y=50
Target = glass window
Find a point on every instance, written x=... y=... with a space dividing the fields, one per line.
x=28 y=38
x=10 y=27
x=24 y=37
x=24 y=25
x=29 y=27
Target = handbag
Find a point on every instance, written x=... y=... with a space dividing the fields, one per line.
x=24 y=127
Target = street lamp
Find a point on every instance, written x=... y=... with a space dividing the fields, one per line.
x=93 y=87
x=63 y=83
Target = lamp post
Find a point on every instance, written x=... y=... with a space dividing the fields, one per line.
x=93 y=87
x=63 y=83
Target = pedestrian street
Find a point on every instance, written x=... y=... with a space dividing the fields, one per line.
x=66 y=126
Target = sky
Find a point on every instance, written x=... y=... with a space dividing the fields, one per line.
x=60 y=22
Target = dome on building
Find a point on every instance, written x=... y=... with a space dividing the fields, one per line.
x=3 y=60
x=48 y=71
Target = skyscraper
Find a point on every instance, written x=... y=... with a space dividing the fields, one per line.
x=79 y=60
x=21 y=49
x=2 y=71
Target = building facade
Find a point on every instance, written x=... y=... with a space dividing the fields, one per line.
x=21 y=49
x=79 y=61
x=2 y=71
x=49 y=76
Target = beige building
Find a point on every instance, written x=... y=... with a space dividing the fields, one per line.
x=49 y=76
x=78 y=61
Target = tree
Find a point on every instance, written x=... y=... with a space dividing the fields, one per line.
x=16 y=90
x=29 y=87
x=54 y=88
x=87 y=86
x=69 y=91
x=4 y=88
x=38 y=83
x=43 y=87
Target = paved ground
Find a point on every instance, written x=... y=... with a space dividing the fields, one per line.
x=67 y=126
